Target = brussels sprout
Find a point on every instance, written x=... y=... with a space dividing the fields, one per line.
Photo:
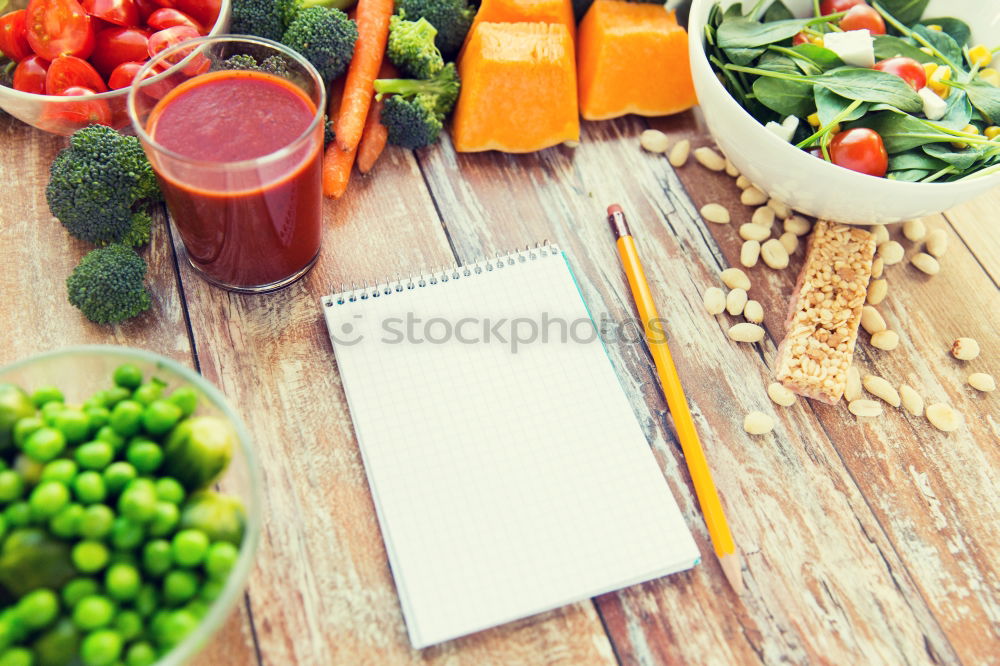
x=14 y=404
x=221 y=517
x=31 y=559
x=198 y=450
x=58 y=646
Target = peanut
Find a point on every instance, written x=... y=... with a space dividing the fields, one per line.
x=878 y=267
x=780 y=208
x=914 y=230
x=982 y=382
x=864 y=408
x=746 y=332
x=885 y=340
x=736 y=300
x=926 y=263
x=754 y=232
x=654 y=141
x=937 y=243
x=763 y=216
x=750 y=253
x=679 y=153
x=743 y=182
x=753 y=197
x=852 y=391
x=943 y=417
x=881 y=389
x=734 y=278
x=789 y=241
x=965 y=349
x=877 y=290
x=714 y=301
x=715 y=213
x=774 y=254
x=872 y=321
x=731 y=169
x=709 y=159
x=881 y=233
x=758 y=423
x=754 y=312
x=797 y=224
x=911 y=400
x=891 y=252
x=780 y=395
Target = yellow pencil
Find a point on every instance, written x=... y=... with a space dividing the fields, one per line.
x=701 y=476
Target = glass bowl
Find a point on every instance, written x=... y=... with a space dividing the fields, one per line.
x=65 y=115
x=80 y=371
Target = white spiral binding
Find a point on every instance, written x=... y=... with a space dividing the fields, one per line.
x=389 y=286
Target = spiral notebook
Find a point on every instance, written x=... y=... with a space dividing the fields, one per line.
x=507 y=468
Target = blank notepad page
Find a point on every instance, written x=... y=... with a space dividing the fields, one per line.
x=509 y=477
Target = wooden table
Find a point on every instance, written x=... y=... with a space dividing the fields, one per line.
x=864 y=542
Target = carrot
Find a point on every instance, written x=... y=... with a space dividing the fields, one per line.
x=375 y=135
x=373 y=31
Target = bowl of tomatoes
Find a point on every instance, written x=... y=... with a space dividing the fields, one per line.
x=67 y=64
x=858 y=111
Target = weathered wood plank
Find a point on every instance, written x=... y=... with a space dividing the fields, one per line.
x=975 y=224
x=37 y=255
x=322 y=592
x=793 y=506
x=934 y=496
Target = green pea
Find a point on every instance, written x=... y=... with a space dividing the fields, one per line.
x=98 y=416
x=66 y=523
x=196 y=607
x=126 y=534
x=11 y=630
x=145 y=455
x=122 y=582
x=11 y=486
x=111 y=436
x=157 y=557
x=160 y=416
x=129 y=624
x=126 y=418
x=116 y=394
x=210 y=590
x=47 y=394
x=101 y=648
x=117 y=475
x=140 y=654
x=48 y=499
x=90 y=556
x=45 y=444
x=93 y=612
x=148 y=600
x=164 y=520
x=17 y=656
x=50 y=411
x=138 y=501
x=24 y=427
x=128 y=375
x=96 y=522
x=38 y=608
x=96 y=399
x=73 y=424
x=170 y=490
x=89 y=487
x=150 y=391
x=62 y=470
x=177 y=626
x=94 y=455
x=78 y=589
x=18 y=514
x=186 y=398
x=179 y=585
x=221 y=559
x=3 y=527
x=29 y=469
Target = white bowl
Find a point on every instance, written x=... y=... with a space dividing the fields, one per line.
x=814 y=186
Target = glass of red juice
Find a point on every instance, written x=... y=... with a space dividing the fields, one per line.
x=233 y=127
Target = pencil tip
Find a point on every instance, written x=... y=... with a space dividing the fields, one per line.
x=732 y=567
x=614 y=208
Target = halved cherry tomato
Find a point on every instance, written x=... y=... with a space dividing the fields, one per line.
x=860 y=149
x=168 y=17
x=29 y=75
x=805 y=38
x=14 y=36
x=69 y=72
x=907 y=69
x=117 y=45
x=59 y=27
x=123 y=75
x=863 y=17
x=66 y=116
x=145 y=7
x=164 y=39
x=205 y=12
x=164 y=3
x=837 y=6
x=119 y=12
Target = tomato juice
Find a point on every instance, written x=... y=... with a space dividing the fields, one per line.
x=240 y=176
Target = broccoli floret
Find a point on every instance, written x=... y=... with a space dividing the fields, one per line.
x=452 y=18
x=108 y=286
x=411 y=47
x=325 y=37
x=257 y=17
x=271 y=65
x=414 y=114
x=289 y=9
x=98 y=187
x=7 y=72
x=328 y=134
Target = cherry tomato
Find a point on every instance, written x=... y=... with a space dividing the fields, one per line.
x=59 y=27
x=164 y=3
x=117 y=45
x=71 y=72
x=65 y=116
x=168 y=17
x=837 y=6
x=863 y=17
x=119 y=12
x=145 y=7
x=205 y=12
x=29 y=76
x=860 y=149
x=907 y=69
x=14 y=36
x=123 y=75
x=805 y=38
x=164 y=39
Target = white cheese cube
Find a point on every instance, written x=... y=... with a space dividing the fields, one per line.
x=935 y=108
x=791 y=123
x=854 y=47
x=784 y=131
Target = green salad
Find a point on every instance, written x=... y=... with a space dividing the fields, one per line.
x=876 y=88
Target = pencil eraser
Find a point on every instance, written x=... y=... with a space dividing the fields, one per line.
x=614 y=208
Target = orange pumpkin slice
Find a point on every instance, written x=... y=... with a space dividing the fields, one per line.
x=518 y=89
x=525 y=11
x=632 y=58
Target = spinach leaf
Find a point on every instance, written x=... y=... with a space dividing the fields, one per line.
x=789 y=98
x=959 y=110
x=743 y=56
x=985 y=97
x=915 y=159
x=830 y=105
x=778 y=12
x=943 y=42
x=887 y=46
x=909 y=175
x=870 y=85
x=906 y=12
x=824 y=58
x=957 y=28
x=960 y=159
x=733 y=11
x=745 y=33
x=901 y=132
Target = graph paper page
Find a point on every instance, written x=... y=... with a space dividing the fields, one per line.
x=508 y=480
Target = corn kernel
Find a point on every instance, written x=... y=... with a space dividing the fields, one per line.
x=992 y=132
x=929 y=69
x=813 y=119
x=968 y=129
x=980 y=55
x=991 y=76
x=836 y=129
x=935 y=82
x=935 y=27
